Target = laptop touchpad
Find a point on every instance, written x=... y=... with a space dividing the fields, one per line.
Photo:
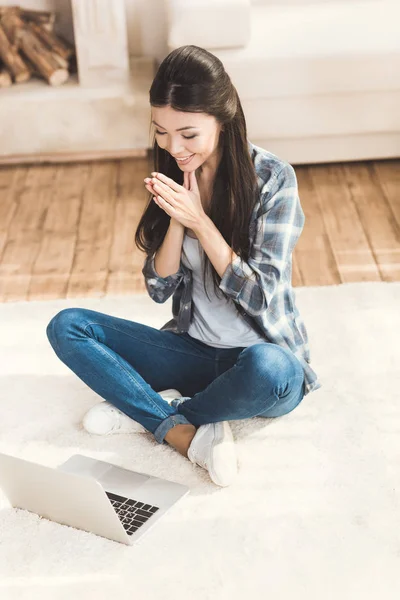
x=119 y=480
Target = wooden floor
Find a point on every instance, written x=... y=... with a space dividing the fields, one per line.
x=67 y=230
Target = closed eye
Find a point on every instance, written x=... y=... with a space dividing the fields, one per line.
x=186 y=137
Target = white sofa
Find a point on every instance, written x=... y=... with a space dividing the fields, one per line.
x=319 y=80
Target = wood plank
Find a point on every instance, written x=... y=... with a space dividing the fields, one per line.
x=388 y=174
x=3 y=238
x=376 y=217
x=126 y=260
x=31 y=209
x=7 y=175
x=314 y=255
x=11 y=182
x=41 y=175
x=63 y=211
x=89 y=272
x=24 y=233
x=17 y=263
x=51 y=271
x=353 y=254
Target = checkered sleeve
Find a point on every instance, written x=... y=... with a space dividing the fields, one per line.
x=252 y=284
x=159 y=288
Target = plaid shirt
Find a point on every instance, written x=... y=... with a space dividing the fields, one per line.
x=260 y=287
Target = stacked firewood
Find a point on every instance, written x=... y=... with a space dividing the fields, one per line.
x=30 y=48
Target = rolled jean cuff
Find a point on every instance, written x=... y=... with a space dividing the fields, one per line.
x=167 y=424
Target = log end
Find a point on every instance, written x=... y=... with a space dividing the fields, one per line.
x=58 y=77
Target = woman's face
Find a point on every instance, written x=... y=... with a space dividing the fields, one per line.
x=200 y=140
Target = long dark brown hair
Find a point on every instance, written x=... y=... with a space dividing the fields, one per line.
x=191 y=79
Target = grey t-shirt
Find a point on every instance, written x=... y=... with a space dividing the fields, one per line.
x=216 y=321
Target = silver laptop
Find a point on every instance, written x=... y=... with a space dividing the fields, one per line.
x=89 y=494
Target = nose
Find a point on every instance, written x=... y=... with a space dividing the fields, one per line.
x=175 y=149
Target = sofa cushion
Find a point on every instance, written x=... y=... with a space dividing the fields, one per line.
x=322 y=48
x=208 y=23
x=349 y=113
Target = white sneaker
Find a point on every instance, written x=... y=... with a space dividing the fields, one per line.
x=170 y=395
x=106 y=419
x=213 y=448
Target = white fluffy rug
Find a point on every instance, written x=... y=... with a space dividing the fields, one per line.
x=313 y=515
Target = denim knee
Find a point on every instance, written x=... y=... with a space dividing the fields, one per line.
x=273 y=362
x=60 y=323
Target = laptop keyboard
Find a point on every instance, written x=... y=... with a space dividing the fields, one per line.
x=132 y=513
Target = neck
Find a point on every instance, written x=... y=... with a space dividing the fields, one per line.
x=207 y=171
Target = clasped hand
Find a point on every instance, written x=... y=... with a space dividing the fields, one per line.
x=181 y=202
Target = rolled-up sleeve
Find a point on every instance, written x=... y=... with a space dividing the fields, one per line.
x=252 y=284
x=159 y=288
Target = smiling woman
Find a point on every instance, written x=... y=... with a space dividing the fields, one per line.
x=199 y=126
x=241 y=351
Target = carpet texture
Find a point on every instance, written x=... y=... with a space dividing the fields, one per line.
x=314 y=513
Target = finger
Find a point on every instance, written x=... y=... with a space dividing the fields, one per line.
x=164 y=191
x=159 y=201
x=165 y=206
x=193 y=181
x=167 y=180
x=186 y=183
x=163 y=186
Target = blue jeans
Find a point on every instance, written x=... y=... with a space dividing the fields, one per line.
x=127 y=363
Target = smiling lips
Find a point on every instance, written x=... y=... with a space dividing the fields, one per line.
x=184 y=160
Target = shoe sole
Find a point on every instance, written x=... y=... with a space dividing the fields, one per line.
x=224 y=441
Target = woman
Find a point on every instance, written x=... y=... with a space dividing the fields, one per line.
x=219 y=230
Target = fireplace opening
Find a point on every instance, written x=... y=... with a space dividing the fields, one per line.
x=56 y=43
x=32 y=47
